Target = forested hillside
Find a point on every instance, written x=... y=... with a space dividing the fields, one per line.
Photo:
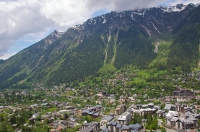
x=160 y=38
x=184 y=50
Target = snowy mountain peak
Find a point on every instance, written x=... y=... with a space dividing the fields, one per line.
x=177 y=8
x=59 y=31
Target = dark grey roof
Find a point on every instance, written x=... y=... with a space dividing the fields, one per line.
x=108 y=118
x=140 y=105
x=156 y=107
x=137 y=126
x=131 y=126
x=167 y=106
x=105 y=130
x=96 y=114
x=88 y=129
x=91 y=113
x=182 y=131
x=112 y=123
x=134 y=130
x=124 y=128
x=85 y=111
x=160 y=111
x=118 y=126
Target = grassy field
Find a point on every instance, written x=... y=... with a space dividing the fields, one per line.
x=144 y=74
x=162 y=54
x=107 y=67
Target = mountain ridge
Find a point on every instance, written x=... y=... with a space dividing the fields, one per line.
x=114 y=39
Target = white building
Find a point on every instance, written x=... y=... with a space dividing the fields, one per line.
x=125 y=118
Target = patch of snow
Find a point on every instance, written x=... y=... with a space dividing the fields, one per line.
x=109 y=37
x=173 y=8
x=103 y=16
x=148 y=31
x=138 y=10
x=156 y=21
x=76 y=26
x=104 y=20
x=132 y=16
x=138 y=13
x=156 y=47
x=121 y=14
x=59 y=31
x=80 y=26
x=144 y=12
x=155 y=28
x=95 y=22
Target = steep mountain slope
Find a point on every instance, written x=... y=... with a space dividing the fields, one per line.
x=186 y=41
x=1 y=61
x=22 y=64
x=115 y=39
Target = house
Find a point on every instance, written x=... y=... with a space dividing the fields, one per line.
x=94 y=111
x=120 y=109
x=182 y=107
x=61 y=127
x=44 y=104
x=150 y=105
x=1 y=107
x=170 y=107
x=160 y=113
x=34 y=116
x=143 y=111
x=112 y=126
x=105 y=130
x=139 y=106
x=187 y=124
x=172 y=120
x=156 y=107
x=90 y=127
x=106 y=120
x=79 y=113
x=180 y=92
x=187 y=109
x=177 y=107
x=71 y=124
x=182 y=130
x=125 y=118
x=116 y=127
x=124 y=129
x=34 y=106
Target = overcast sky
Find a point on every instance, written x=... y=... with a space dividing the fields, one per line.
x=25 y=22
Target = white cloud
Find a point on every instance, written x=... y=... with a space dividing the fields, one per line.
x=6 y=56
x=174 y=2
x=120 y=5
x=36 y=18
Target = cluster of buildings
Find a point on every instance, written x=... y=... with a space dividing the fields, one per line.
x=177 y=116
x=178 y=119
x=94 y=111
x=117 y=127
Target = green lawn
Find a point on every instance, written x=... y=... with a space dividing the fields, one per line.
x=107 y=68
x=144 y=74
